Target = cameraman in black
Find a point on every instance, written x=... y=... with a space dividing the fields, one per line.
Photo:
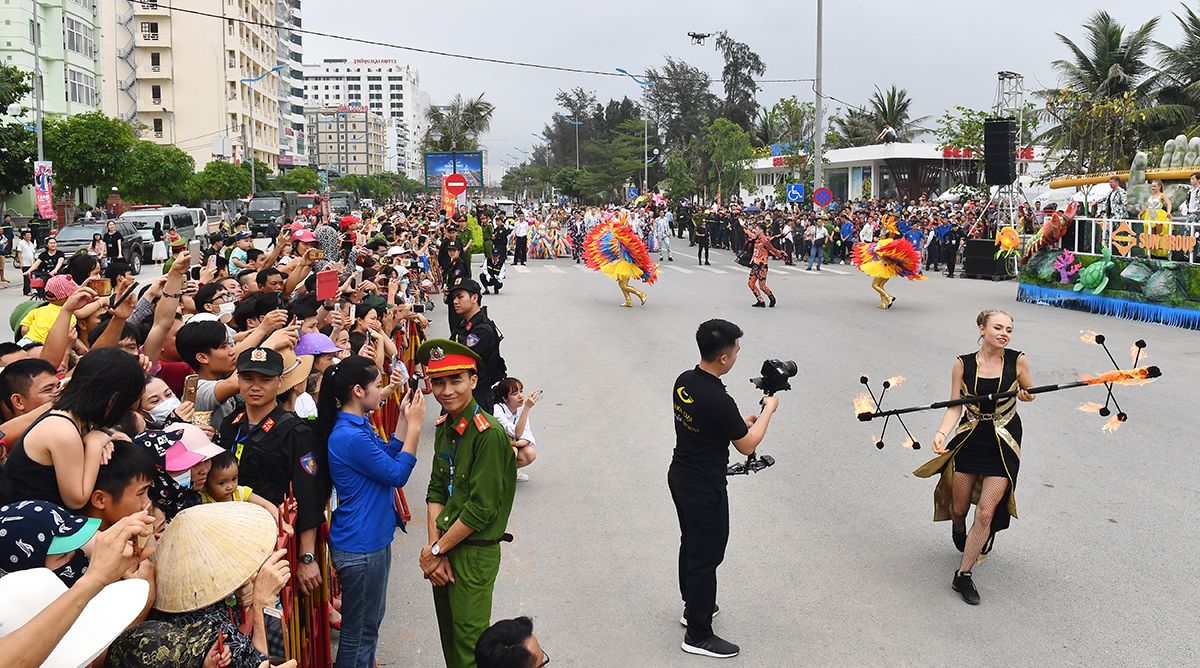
x=706 y=421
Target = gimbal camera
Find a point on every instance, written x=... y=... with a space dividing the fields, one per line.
x=775 y=377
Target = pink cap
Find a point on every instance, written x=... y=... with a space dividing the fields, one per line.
x=60 y=287
x=195 y=440
x=304 y=235
x=179 y=458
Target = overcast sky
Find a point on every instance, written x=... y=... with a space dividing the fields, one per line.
x=945 y=52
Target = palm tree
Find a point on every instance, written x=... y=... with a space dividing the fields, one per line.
x=766 y=129
x=458 y=125
x=1115 y=63
x=1181 y=75
x=856 y=127
x=893 y=107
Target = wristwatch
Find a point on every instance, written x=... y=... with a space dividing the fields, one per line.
x=308 y=558
x=436 y=550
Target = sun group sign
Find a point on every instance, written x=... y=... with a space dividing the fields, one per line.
x=1124 y=239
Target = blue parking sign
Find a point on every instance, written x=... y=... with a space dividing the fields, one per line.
x=633 y=192
x=795 y=192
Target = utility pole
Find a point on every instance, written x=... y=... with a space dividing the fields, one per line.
x=819 y=125
x=645 y=154
x=37 y=81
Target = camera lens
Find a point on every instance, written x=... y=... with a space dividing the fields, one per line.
x=790 y=368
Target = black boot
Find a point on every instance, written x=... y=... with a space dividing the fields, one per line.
x=772 y=298
x=960 y=539
x=965 y=587
x=759 y=304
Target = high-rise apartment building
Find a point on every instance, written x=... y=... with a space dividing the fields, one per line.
x=181 y=75
x=346 y=139
x=293 y=149
x=69 y=53
x=385 y=88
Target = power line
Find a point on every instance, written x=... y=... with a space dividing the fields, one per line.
x=444 y=54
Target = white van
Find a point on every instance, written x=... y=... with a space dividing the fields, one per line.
x=183 y=219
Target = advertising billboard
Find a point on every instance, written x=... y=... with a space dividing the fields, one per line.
x=467 y=163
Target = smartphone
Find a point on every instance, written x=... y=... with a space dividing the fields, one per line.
x=113 y=301
x=212 y=261
x=418 y=308
x=101 y=286
x=189 y=388
x=315 y=254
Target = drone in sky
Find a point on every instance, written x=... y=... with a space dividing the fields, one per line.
x=699 y=37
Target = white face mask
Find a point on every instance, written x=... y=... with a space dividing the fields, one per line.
x=163 y=410
x=184 y=479
x=227 y=308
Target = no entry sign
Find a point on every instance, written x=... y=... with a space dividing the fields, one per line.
x=456 y=184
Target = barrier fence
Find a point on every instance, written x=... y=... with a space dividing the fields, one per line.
x=1172 y=240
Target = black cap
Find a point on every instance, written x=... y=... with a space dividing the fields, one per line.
x=260 y=360
x=454 y=245
x=467 y=284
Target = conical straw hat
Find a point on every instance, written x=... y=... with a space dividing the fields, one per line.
x=209 y=551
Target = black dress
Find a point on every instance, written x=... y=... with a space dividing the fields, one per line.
x=983 y=452
x=32 y=480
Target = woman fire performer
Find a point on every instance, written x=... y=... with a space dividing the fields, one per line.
x=978 y=462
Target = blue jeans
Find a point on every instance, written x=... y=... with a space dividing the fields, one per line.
x=364 y=579
x=816 y=253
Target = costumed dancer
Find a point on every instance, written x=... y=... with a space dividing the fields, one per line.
x=539 y=243
x=762 y=251
x=981 y=460
x=578 y=232
x=615 y=249
x=560 y=245
x=885 y=259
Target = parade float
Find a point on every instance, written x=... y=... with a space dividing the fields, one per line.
x=1145 y=268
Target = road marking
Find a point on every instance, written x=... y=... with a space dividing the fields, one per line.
x=582 y=267
x=553 y=269
x=839 y=272
x=737 y=267
x=778 y=272
x=521 y=269
x=798 y=270
x=678 y=269
x=712 y=269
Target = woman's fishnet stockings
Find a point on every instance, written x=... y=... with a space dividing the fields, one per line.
x=990 y=497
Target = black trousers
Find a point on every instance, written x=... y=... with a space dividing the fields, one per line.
x=702 y=249
x=950 y=257
x=484 y=397
x=519 y=252
x=703 y=510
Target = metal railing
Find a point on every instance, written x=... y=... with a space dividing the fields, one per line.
x=1174 y=240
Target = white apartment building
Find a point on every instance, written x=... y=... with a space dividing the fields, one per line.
x=293 y=150
x=179 y=74
x=386 y=88
x=347 y=139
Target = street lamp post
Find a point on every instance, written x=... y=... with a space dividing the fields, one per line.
x=819 y=116
x=37 y=81
x=250 y=84
x=576 y=123
x=645 y=132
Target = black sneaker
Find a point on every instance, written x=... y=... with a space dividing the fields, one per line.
x=712 y=646
x=965 y=587
x=759 y=304
x=683 y=616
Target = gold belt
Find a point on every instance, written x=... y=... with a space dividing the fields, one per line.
x=985 y=416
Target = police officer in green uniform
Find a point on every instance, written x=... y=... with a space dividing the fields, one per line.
x=469 y=500
x=278 y=453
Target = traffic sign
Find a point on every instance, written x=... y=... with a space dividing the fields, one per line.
x=456 y=184
x=795 y=192
x=822 y=196
x=633 y=192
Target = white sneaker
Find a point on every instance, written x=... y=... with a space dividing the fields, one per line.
x=522 y=476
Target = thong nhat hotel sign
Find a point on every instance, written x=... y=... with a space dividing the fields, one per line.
x=1124 y=239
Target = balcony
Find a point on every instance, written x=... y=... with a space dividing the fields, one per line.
x=150 y=7
x=153 y=72
x=158 y=134
x=156 y=101
x=152 y=39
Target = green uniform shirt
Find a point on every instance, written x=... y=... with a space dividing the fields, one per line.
x=484 y=473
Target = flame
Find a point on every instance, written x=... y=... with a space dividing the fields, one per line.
x=1139 y=376
x=1134 y=356
x=1113 y=424
x=894 y=380
x=863 y=403
x=1087 y=336
x=909 y=443
x=1091 y=407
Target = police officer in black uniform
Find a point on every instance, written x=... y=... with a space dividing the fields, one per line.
x=706 y=421
x=480 y=334
x=278 y=453
x=454 y=269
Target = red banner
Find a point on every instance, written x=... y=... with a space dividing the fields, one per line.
x=449 y=199
x=43 y=189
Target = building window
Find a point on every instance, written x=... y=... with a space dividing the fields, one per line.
x=158 y=127
x=150 y=30
x=353 y=87
x=81 y=87
x=395 y=79
x=374 y=78
x=86 y=4
x=396 y=96
x=156 y=94
x=155 y=59
x=79 y=37
x=375 y=87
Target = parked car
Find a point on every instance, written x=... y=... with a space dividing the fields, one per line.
x=143 y=219
x=79 y=236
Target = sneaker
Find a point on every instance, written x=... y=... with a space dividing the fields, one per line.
x=808 y=268
x=712 y=646
x=522 y=476
x=683 y=615
x=670 y=259
x=965 y=587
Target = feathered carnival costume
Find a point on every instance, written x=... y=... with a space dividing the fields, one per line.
x=615 y=249
x=884 y=260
